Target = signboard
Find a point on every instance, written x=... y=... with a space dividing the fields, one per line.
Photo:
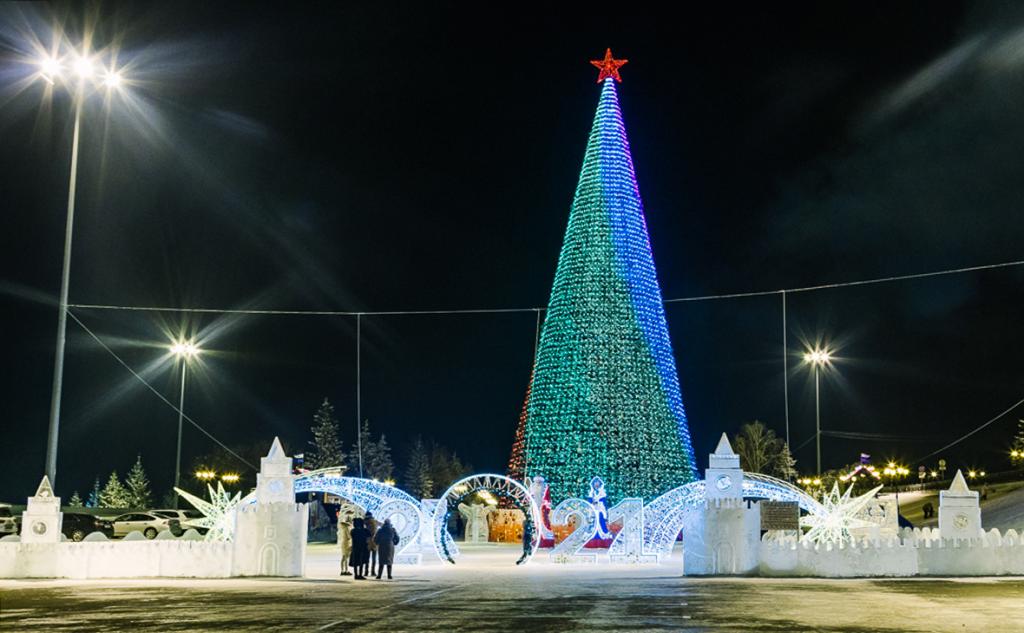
x=332 y=499
x=780 y=515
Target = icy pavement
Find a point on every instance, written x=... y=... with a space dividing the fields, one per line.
x=485 y=591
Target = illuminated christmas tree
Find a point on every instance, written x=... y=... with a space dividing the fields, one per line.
x=605 y=397
x=517 y=460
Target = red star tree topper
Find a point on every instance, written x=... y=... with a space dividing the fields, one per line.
x=609 y=67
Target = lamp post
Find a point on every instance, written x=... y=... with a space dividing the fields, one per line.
x=818 y=358
x=185 y=351
x=82 y=73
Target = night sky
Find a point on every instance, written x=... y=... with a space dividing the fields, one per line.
x=418 y=157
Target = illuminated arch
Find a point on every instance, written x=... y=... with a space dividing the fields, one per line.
x=501 y=485
x=384 y=501
x=673 y=511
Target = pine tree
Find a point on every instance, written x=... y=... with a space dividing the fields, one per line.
x=137 y=486
x=94 y=495
x=377 y=461
x=1017 y=450
x=114 y=494
x=605 y=398
x=75 y=501
x=785 y=465
x=417 y=480
x=326 y=445
x=445 y=467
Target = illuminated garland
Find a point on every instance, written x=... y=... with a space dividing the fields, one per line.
x=506 y=489
x=517 y=461
x=605 y=396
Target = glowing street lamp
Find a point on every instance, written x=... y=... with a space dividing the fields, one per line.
x=818 y=358
x=184 y=351
x=50 y=70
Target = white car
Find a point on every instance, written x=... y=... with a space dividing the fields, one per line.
x=146 y=522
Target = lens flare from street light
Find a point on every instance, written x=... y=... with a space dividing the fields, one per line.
x=49 y=68
x=83 y=67
x=112 y=79
x=185 y=349
x=818 y=356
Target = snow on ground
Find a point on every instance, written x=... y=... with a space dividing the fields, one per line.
x=485 y=591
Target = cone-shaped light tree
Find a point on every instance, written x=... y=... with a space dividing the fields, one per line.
x=605 y=398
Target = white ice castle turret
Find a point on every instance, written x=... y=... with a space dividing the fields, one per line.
x=959 y=512
x=275 y=483
x=270 y=534
x=41 y=521
x=726 y=537
x=724 y=479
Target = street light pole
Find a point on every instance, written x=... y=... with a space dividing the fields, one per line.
x=181 y=415
x=52 y=70
x=184 y=351
x=62 y=315
x=817 y=358
x=817 y=415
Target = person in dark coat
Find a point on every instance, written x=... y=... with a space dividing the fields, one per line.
x=360 y=549
x=386 y=540
x=371 y=526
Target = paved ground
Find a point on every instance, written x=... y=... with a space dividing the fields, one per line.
x=489 y=594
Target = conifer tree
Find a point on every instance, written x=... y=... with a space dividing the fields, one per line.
x=75 y=501
x=139 y=494
x=417 y=479
x=377 y=463
x=1017 y=450
x=326 y=445
x=114 y=494
x=94 y=495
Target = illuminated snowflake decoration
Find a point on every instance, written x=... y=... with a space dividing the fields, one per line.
x=218 y=512
x=838 y=516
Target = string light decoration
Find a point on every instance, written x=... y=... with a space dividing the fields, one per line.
x=503 y=488
x=218 y=513
x=834 y=525
x=384 y=501
x=568 y=551
x=517 y=461
x=609 y=67
x=605 y=395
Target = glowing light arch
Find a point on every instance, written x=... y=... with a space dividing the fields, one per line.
x=385 y=502
x=505 y=487
x=670 y=513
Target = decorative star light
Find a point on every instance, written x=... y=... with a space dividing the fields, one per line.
x=218 y=512
x=839 y=516
x=609 y=67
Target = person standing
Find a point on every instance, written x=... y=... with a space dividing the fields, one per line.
x=386 y=539
x=360 y=549
x=345 y=540
x=371 y=527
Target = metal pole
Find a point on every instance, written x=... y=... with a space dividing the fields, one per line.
x=62 y=317
x=817 y=415
x=359 y=391
x=181 y=414
x=785 y=367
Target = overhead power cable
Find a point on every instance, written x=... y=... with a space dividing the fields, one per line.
x=733 y=295
x=157 y=393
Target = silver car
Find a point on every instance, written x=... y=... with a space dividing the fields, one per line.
x=149 y=524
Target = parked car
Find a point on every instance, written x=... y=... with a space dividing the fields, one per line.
x=8 y=522
x=146 y=522
x=77 y=526
x=183 y=517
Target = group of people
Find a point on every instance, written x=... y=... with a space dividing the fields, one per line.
x=366 y=547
